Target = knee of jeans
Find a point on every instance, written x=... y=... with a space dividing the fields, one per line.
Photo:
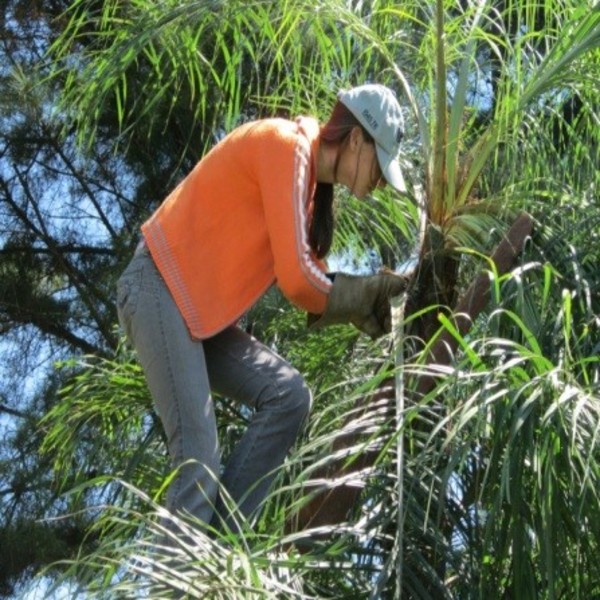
x=299 y=399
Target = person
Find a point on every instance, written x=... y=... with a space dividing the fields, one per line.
x=256 y=210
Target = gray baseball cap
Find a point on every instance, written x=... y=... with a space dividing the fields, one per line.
x=377 y=110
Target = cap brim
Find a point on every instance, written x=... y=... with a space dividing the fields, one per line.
x=391 y=169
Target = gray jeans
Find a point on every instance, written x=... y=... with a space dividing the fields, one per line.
x=181 y=372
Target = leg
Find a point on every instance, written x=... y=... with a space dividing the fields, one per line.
x=242 y=368
x=175 y=370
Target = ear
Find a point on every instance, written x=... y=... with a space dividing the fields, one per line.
x=356 y=137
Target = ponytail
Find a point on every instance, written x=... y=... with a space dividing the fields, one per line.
x=320 y=235
x=335 y=131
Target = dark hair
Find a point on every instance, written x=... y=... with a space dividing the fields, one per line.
x=335 y=131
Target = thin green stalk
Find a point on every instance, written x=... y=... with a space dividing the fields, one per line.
x=397 y=306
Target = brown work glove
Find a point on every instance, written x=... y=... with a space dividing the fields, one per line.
x=362 y=301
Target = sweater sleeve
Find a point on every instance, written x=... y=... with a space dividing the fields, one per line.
x=285 y=184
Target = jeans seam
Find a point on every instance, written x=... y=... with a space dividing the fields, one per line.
x=177 y=459
x=242 y=463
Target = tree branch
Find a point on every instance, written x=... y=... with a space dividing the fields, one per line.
x=12 y=411
x=475 y=299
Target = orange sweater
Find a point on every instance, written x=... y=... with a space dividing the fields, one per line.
x=239 y=223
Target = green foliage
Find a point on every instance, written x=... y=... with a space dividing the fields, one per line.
x=514 y=447
x=29 y=546
x=103 y=424
x=530 y=415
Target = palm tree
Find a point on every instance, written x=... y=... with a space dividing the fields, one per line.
x=477 y=472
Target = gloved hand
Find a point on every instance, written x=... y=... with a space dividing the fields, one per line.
x=362 y=301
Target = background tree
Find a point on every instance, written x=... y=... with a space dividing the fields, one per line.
x=67 y=223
